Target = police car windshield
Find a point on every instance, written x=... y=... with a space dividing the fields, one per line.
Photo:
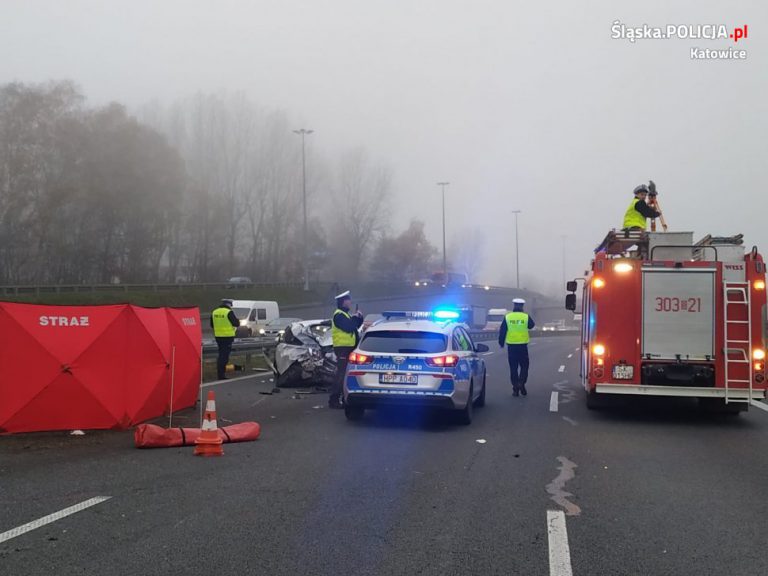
x=241 y=312
x=396 y=342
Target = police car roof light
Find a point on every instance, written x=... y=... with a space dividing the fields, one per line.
x=446 y=314
x=422 y=315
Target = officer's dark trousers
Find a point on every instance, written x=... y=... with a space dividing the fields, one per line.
x=225 y=348
x=517 y=354
x=337 y=388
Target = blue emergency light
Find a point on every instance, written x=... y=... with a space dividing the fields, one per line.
x=446 y=314
x=422 y=315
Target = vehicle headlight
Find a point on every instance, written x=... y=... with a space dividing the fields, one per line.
x=262 y=331
x=243 y=322
x=417 y=283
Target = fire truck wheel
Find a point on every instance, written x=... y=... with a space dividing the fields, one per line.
x=596 y=401
x=718 y=406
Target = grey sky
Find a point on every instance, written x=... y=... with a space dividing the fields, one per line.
x=518 y=105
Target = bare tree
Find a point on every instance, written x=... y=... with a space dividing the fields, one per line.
x=359 y=210
x=468 y=252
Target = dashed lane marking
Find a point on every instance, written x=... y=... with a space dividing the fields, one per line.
x=29 y=526
x=553 y=402
x=562 y=368
x=559 y=552
x=570 y=355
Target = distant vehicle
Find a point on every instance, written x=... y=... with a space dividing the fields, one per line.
x=450 y=279
x=254 y=315
x=423 y=283
x=558 y=325
x=416 y=358
x=273 y=329
x=236 y=281
x=370 y=320
x=475 y=317
x=495 y=317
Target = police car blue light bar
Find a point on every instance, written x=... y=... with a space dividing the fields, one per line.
x=422 y=315
x=446 y=314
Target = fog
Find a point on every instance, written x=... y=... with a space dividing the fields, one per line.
x=519 y=106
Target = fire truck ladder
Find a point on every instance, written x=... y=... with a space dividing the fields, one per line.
x=735 y=297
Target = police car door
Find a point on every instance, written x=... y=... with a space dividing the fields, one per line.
x=462 y=345
x=476 y=362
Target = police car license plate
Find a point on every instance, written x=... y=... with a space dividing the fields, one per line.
x=398 y=379
x=623 y=372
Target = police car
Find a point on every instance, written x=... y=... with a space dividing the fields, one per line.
x=416 y=358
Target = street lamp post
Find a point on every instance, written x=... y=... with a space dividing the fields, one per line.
x=445 y=261
x=517 y=252
x=303 y=133
x=564 y=237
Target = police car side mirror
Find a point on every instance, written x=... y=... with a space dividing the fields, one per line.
x=570 y=302
x=571 y=286
x=481 y=348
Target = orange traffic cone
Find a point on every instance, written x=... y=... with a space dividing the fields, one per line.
x=209 y=442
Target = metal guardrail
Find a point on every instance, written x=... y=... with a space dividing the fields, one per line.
x=262 y=345
x=240 y=345
x=90 y=288
x=141 y=287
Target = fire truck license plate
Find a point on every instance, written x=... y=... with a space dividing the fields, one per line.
x=623 y=372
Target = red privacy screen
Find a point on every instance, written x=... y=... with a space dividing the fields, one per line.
x=72 y=367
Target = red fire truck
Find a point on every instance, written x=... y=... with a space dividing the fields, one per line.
x=663 y=316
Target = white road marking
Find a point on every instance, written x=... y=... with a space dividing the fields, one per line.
x=570 y=421
x=29 y=526
x=553 y=402
x=570 y=355
x=567 y=394
x=238 y=379
x=487 y=353
x=559 y=552
x=561 y=369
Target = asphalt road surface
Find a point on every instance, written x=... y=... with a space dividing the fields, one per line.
x=536 y=485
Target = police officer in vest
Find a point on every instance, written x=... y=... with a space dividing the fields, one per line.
x=514 y=333
x=224 y=324
x=639 y=211
x=344 y=328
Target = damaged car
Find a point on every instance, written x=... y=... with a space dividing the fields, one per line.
x=304 y=355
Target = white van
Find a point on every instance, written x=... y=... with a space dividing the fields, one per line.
x=254 y=314
x=495 y=318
